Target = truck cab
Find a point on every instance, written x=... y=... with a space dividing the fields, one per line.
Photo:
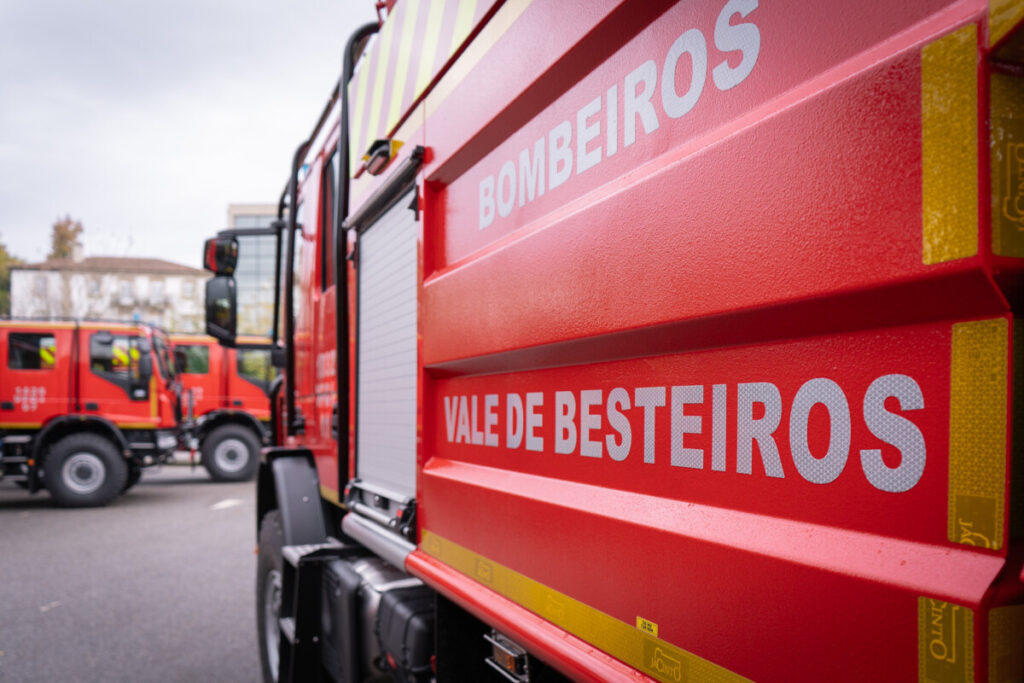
x=84 y=406
x=227 y=389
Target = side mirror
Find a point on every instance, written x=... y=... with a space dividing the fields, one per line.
x=221 y=309
x=179 y=361
x=220 y=255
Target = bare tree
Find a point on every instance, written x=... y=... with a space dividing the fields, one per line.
x=6 y=261
x=64 y=237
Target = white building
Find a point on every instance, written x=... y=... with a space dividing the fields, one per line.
x=111 y=288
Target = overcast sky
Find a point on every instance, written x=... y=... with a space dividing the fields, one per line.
x=144 y=120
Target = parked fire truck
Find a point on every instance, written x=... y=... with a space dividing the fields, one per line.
x=650 y=339
x=84 y=406
x=228 y=387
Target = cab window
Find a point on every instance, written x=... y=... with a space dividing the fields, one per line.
x=27 y=351
x=327 y=220
x=254 y=366
x=117 y=358
x=195 y=358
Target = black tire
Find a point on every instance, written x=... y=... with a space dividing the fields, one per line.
x=231 y=453
x=134 y=474
x=268 y=593
x=84 y=470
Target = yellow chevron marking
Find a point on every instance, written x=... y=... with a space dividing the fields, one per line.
x=481 y=45
x=373 y=124
x=428 y=53
x=412 y=8
x=463 y=23
x=357 y=113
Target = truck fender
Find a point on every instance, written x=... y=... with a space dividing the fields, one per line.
x=288 y=482
x=216 y=418
x=67 y=424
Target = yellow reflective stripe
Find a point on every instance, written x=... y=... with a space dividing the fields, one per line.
x=153 y=403
x=463 y=24
x=977 y=433
x=331 y=495
x=655 y=657
x=1006 y=644
x=411 y=8
x=431 y=37
x=1006 y=140
x=20 y=425
x=949 y=146
x=945 y=642
x=1003 y=15
x=136 y=425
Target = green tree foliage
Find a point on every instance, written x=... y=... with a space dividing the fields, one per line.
x=64 y=237
x=6 y=261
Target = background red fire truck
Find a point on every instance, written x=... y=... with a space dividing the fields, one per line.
x=229 y=394
x=651 y=339
x=84 y=406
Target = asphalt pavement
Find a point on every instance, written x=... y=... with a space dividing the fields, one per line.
x=158 y=586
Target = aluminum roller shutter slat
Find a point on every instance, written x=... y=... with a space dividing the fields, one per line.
x=387 y=354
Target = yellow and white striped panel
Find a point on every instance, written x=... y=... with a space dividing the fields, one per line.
x=416 y=41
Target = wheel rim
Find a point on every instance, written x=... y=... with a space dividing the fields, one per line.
x=271 y=619
x=83 y=473
x=231 y=455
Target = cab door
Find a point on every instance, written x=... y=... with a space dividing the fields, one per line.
x=325 y=385
x=202 y=368
x=249 y=373
x=119 y=381
x=36 y=375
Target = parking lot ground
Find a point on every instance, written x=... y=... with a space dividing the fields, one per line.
x=158 y=586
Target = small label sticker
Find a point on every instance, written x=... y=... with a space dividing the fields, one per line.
x=664 y=664
x=647 y=626
x=484 y=571
x=945 y=642
x=976 y=521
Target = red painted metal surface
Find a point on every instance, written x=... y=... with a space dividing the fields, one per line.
x=762 y=238
x=729 y=564
x=222 y=386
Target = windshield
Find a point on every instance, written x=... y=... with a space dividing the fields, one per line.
x=163 y=356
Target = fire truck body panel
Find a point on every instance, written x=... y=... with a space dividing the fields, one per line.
x=228 y=388
x=682 y=337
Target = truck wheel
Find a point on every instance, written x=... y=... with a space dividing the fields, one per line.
x=231 y=453
x=134 y=474
x=268 y=593
x=84 y=470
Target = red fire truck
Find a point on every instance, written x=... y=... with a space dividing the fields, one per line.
x=229 y=388
x=669 y=340
x=84 y=406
